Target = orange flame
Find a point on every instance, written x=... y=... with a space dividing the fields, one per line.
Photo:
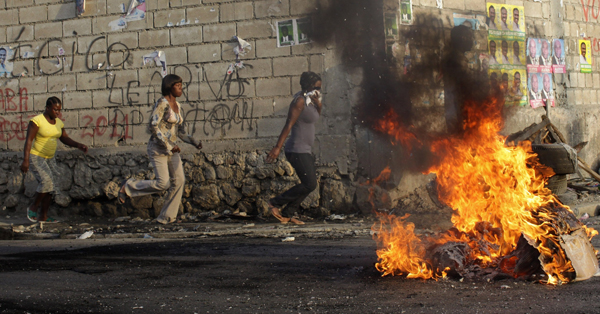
x=400 y=133
x=496 y=195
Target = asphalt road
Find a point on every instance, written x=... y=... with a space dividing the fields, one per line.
x=249 y=275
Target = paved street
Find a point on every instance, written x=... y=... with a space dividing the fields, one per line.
x=241 y=274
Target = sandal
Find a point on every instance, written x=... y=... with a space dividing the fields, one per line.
x=122 y=198
x=297 y=221
x=31 y=215
x=275 y=212
x=50 y=220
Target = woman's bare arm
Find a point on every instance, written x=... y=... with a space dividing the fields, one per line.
x=293 y=115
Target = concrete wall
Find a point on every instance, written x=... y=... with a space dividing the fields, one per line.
x=107 y=93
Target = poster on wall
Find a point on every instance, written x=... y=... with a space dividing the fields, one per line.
x=515 y=94
x=547 y=91
x=558 y=56
x=304 y=26
x=285 y=33
x=505 y=19
x=6 y=65
x=406 y=14
x=469 y=20
x=391 y=25
x=534 y=90
x=539 y=59
x=585 y=58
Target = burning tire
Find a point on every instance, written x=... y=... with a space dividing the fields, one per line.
x=558 y=157
x=557 y=184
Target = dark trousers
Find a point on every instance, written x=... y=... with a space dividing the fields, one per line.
x=304 y=165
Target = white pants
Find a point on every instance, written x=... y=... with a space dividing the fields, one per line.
x=169 y=174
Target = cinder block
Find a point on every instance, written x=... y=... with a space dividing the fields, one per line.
x=204 y=53
x=268 y=48
x=273 y=87
x=77 y=27
x=236 y=11
x=61 y=11
x=22 y=66
x=77 y=100
x=289 y=66
x=150 y=76
x=107 y=98
x=130 y=40
x=29 y=15
x=13 y=31
x=533 y=9
x=92 y=80
x=300 y=7
x=271 y=8
x=581 y=78
x=229 y=54
x=122 y=78
x=270 y=127
x=61 y=83
x=219 y=32
x=311 y=48
x=157 y=38
x=186 y=35
x=91 y=44
x=48 y=30
x=100 y=24
x=163 y=17
x=316 y=63
x=147 y=23
x=569 y=12
x=3 y=34
x=475 y=5
x=589 y=82
x=34 y=85
x=254 y=29
x=578 y=97
x=216 y=71
x=39 y=102
x=18 y=3
x=203 y=15
x=263 y=107
x=88 y=118
x=176 y=55
x=257 y=68
x=245 y=128
x=189 y=73
x=455 y=4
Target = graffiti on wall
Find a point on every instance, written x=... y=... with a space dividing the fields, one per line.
x=128 y=106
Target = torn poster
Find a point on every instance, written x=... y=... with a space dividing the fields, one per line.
x=242 y=47
x=6 y=65
x=80 y=7
x=304 y=27
x=585 y=58
x=391 y=25
x=470 y=21
x=558 y=56
x=159 y=59
x=136 y=11
x=285 y=33
x=406 y=16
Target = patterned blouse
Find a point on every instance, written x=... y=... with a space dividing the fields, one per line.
x=165 y=126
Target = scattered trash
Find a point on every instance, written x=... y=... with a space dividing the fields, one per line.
x=336 y=217
x=86 y=235
x=505 y=287
x=248 y=225
x=136 y=219
x=147 y=236
x=288 y=239
x=584 y=217
x=121 y=219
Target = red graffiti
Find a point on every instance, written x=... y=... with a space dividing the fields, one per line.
x=8 y=100
x=120 y=127
x=586 y=8
x=14 y=129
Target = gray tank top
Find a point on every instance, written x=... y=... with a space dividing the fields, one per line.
x=303 y=131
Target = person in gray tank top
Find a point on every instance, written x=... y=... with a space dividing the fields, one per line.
x=303 y=115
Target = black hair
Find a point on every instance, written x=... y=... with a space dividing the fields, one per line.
x=1 y=48
x=168 y=82
x=308 y=80
x=53 y=101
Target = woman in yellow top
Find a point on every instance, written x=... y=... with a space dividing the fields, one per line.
x=40 y=147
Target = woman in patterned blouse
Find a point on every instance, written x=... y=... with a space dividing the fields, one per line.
x=166 y=124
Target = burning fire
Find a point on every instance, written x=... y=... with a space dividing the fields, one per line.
x=497 y=193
